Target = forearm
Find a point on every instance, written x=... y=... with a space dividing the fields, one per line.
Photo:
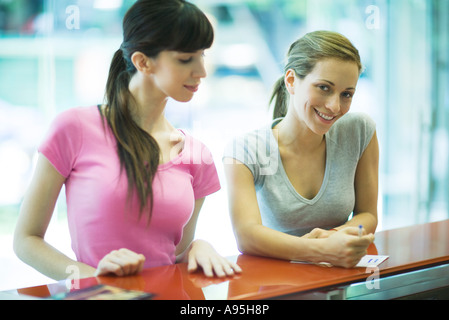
x=46 y=259
x=263 y=241
x=365 y=219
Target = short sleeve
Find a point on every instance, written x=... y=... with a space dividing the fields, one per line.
x=370 y=129
x=257 y=150
x=205 y=179
x=240 y=149
x=366 y=127
x=354 y=131
x=62 y=142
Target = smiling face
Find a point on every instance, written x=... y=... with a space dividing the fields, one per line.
x=324 y=95
x=178 y=74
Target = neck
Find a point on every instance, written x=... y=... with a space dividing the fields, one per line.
x=149 y=105
x=294 y=134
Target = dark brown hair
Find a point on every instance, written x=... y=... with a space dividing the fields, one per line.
x=149 y=26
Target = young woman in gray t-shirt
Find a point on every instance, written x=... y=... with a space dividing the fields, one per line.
x=293 y=185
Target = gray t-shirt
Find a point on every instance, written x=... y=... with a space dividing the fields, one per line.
x=281 y=207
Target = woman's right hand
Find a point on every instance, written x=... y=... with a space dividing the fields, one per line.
x=121 y=262
x=345 y=247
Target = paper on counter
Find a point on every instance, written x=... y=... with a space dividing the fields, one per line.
x=371 y=261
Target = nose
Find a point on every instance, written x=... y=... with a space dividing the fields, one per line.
x=199 y=70
x=333 y=103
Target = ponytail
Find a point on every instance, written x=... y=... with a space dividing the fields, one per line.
x=280 y=98
x=118 y=79
x=149 y=27
x=137 y=150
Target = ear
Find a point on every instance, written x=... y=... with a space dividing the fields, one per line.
x=289 y=80
x=142 y=62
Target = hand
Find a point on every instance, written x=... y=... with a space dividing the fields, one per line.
x=203 y=255
x=319 y=233
x=121 y=262
x=345 y=248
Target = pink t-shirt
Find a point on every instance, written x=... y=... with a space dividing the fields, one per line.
x=100 y=220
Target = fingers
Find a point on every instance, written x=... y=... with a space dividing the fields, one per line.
x=121 y=262
x=192 y=265
x=226 y=268
x=316 y=233
x=354 y=231
x=203 y=255
x=215 y=265
x=364 y=240
x=348 y=247
x=349 y=257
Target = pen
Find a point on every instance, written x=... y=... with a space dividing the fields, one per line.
x=360 y=230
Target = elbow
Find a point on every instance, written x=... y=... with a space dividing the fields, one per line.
x=17 y=245
x=239 y=241
x=20 y=245
x=242 y=248
x=246 y=244
x=247 y=250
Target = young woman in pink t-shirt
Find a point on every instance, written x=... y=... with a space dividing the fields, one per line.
x=134 y=184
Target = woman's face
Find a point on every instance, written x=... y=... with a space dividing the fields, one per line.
x=178 y=74
x=324 y=95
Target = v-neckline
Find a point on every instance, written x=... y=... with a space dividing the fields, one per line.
x=287 y=180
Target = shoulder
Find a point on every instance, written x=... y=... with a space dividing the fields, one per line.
x=200 y=162
x=356 y=118
x=69 y=125
x=257 y=150
x=249 y=144
x=355 y=124
x=354 y=130
x=64 y=139
x=74 y=117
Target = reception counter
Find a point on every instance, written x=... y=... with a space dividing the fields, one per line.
x=417 y=268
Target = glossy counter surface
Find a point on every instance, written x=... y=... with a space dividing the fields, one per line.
x=411 y=248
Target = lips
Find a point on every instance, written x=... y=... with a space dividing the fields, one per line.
x=324 y=116
x=193 y=88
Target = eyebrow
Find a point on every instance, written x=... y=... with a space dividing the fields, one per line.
x=333 y=84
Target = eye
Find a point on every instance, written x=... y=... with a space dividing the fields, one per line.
x=323 y=87
x=185 y=61
x=347 y=95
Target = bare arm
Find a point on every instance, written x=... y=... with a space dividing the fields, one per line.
x=199 y=253
x=340 y=249
x=35 y=214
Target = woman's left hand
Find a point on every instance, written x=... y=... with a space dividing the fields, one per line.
x=203 y=255
x=319 y=233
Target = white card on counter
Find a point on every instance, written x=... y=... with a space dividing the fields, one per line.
x=371 y=261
